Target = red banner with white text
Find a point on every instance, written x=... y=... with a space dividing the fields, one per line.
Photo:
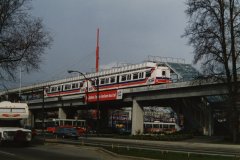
x=104 y=96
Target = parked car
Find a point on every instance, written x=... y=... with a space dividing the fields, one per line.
x=66 y=132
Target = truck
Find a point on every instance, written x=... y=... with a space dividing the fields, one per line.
x=12 y=116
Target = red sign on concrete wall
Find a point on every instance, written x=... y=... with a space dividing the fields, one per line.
x=104 y=96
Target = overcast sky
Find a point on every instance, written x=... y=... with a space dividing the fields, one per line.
x=130 y=31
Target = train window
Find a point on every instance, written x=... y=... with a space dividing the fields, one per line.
x=81 y=84
x=67 y=86
x=97 y=82
x=123 y=78
x=53 y=89
x=46 y=90
x=163 y=73
x=102 y=80
x=141 y=75
x=59 y=88
x=148 y=73
x=106 y=80
x=117 y=79
x=93 y=82
x=135 y=75
x=112 y=80
x=155 y=125
x=129 y=77
x=74 y=85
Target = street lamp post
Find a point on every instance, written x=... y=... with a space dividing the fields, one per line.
x=72 y=71
x=86 y=100
x=97 y=81
x=43 y=113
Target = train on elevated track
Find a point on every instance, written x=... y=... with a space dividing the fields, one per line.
x=147 y=73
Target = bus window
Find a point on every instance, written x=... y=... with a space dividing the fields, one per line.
x=148 y=126
x=171 y=126
x=18 y=110
x=68 y=123
x=165 y=126
x=155 y=125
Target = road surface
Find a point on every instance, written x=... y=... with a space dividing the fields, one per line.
x=55 y=152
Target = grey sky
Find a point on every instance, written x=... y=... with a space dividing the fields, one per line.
x=130 y=30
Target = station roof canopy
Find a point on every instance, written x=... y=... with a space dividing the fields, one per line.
x=181 y=71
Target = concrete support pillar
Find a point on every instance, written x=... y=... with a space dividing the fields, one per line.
x=137 y=118
x=61 y=114
x=210 y=122
x=104 y=117
x=208 y=127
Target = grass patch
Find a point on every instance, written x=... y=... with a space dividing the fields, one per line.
x=157 y=137
x=165 y=155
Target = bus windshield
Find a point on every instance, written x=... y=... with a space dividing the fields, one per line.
x=11 y=123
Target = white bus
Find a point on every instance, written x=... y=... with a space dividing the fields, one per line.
x=11 y=122
x=161 y=127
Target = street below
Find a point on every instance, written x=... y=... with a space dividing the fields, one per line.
x=54 y=152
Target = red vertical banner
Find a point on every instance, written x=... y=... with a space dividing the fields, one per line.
x=97 y=51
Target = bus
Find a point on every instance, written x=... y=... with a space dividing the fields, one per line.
x=53 y=124
x=161 y=127
x=12 y=116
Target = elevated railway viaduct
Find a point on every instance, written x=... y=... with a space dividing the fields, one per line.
x=197 y=101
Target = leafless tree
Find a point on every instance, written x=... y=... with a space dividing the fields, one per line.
x=214 y=32
x=23 y=38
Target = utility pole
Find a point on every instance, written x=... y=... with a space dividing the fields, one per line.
x=43 y=112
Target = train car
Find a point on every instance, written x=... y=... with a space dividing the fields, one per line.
x=147 y=73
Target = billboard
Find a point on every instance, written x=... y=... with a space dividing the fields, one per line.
x=104 y=96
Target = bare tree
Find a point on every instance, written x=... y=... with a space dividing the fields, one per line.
x=214 y=32
x=23 y=38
